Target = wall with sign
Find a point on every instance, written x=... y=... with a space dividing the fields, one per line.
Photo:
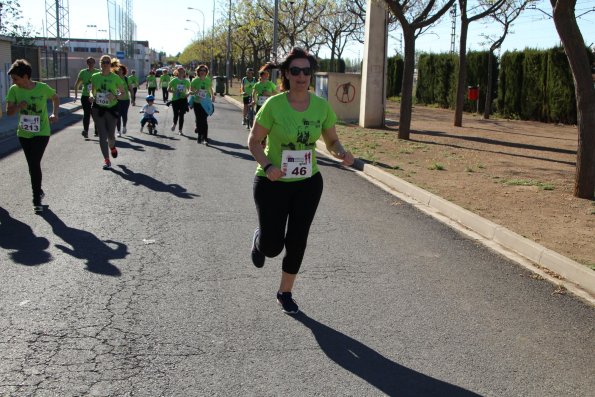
x=342 y=90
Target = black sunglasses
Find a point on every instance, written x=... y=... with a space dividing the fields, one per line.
x=295 y=71
x=105 y=62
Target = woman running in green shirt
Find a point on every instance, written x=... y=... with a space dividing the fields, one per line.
x=151 y=83
x=288 y=186
x=124 y=101
x=84 y=78
x=263 y=89
x=164 y=83
x=179 y=86
x=29 y=99
x=133 y=81
x=107 y=88
x=202 y=89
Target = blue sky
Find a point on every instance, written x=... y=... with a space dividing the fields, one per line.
x=164 y=25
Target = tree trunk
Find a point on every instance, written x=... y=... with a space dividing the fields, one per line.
x=488 y=104
x=574 y=45
x=462 y=78
x=407 y=85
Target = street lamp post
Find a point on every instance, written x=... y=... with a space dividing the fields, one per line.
x=196 y=32
x=203 y=30
x=193 y=31
x=203 y=20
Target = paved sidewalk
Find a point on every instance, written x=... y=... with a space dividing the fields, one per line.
x=548 y=264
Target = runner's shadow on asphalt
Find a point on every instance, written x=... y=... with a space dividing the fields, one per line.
x=87 y=246
x=124 y=144
x=27 y=248
x=147 y=181
x=240 y=151
x=386 y=375
x=152 y=144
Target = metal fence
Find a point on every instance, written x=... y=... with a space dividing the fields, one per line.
x=45 y=63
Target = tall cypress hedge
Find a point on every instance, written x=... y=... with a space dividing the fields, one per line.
x=394 y=76
x=435 y=83
x=560 y=100
x=510 y=84
x=533 y=91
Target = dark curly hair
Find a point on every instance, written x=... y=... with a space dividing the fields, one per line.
x=296 y=53
x=21 y=67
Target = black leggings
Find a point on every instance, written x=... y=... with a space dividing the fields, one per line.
x=165 y=94
x=286 y=203
x=151 y=90
x=86 y=112
x=34 y=149
x=133 y=94
x=202 y=127
x=180 y=106
x=123 y=105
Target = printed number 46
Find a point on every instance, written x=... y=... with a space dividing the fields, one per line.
x=299 y=171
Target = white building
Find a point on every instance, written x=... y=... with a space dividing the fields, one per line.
x=140 y=58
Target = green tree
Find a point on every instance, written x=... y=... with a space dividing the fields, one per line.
x=11 y=23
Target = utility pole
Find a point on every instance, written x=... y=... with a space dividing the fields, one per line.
x=228 y=57
x=453 y=33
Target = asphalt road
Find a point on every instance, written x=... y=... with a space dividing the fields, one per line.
x=138 y=282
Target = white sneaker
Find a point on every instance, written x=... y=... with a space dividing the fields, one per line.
x=119 y=134
x=142 y=128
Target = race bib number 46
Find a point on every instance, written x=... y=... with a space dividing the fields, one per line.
x=30 y=123
x=296 y=164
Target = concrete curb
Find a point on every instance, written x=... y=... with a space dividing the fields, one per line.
x=572 y=275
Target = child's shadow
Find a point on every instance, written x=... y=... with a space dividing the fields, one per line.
x=87 y=246
x=27 y=248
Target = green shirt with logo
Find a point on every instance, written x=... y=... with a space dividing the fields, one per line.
x=151 y=81
x=164 y=80
x=248 y=86
x=179 y=87
x=293 y=130
x=261 y=87
x=198 y=85
x=133 y=80
x=34 y=120
x=104 y=85
x=85 y=77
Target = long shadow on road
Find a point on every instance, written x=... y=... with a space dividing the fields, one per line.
x=239 y=151
x=28 y=249
x=382 y=373
x=139 y=179
x=147 y=143
x=87 y=246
